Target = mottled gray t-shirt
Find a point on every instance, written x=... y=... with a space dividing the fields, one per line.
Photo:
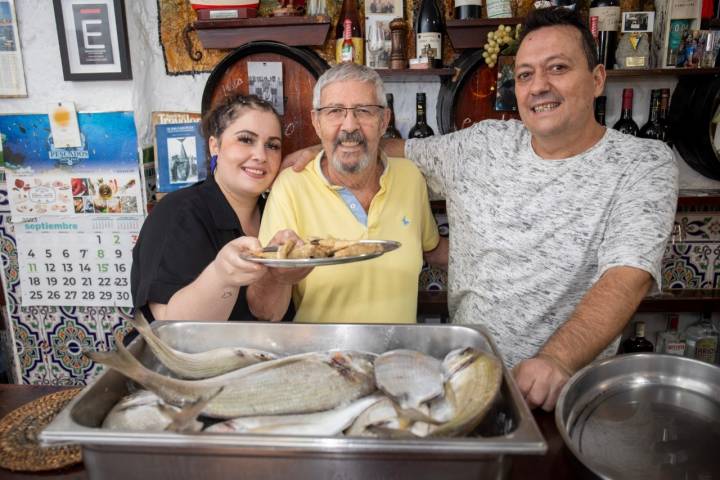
x=529 y=236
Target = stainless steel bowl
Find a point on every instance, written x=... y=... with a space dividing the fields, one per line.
x=644 y=416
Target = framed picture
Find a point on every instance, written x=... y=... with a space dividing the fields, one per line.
x=12 y=80
x=385 y=7
x=638 y=22
x=92 y=35
x=266 y=81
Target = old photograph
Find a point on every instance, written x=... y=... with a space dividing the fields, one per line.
x=266 y=81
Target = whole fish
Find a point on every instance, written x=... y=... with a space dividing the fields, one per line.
x=202 y=364
x=381 y=414
x=327 y=423
x=304 y=383
x=409 y=377
x=475 y=383
x=143 y=410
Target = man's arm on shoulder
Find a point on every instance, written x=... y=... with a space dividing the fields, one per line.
x=599 y=318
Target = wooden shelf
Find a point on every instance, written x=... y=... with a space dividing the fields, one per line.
x=661 y=72
x=680 y=300
x=413 y=75
x=473 y=33
x=292 y=31
x=683 y=300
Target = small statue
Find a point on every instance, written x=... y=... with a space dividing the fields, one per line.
x=633 y=51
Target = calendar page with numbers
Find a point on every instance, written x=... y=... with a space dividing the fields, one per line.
x=78 y=261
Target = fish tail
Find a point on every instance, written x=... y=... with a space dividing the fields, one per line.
x=141 y=324
x=121 y=360
x=184 y=420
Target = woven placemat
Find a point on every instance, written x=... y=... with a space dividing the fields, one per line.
x=19 y=446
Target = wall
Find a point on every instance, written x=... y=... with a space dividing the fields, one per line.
x=153 y=90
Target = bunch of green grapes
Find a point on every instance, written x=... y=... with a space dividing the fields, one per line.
x=496 y=41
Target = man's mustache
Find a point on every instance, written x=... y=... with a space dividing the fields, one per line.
x=355 y=137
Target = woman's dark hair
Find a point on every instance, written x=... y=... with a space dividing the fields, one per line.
x=559 y=16
x=217 y=119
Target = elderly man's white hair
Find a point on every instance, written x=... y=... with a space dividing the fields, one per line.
x=350 y=71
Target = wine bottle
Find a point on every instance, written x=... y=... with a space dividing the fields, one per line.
x=468 y=9
x=421 y=129
x=626 y=124
x=391 y=131
x=605 y=23
x=428 y=32
x=349 y=13
x=653 y=129
x=638 y=343
x=663 y=114
x=600 y=109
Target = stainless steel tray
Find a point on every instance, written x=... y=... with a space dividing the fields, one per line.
x=387 y=246
x=509 y=427
x=644 y=416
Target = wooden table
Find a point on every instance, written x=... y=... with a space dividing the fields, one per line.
x=558 y=464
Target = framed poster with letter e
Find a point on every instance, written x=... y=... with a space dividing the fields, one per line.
x=92 y=35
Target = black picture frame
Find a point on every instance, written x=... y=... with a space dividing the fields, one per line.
x=95 y=47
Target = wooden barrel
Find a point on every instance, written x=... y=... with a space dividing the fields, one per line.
x=300 y=70
x=694 y=104
x=469 y=96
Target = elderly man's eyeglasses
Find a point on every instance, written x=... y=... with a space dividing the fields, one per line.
x=363 y=113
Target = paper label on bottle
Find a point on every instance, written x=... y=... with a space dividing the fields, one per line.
x=498 y=9
x=463 y=3
x=674 y=348
x=358 y=47
x=608 y=18
x=706 y=349
x=428 y=44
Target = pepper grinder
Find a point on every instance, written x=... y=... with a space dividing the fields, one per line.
x=398 y=31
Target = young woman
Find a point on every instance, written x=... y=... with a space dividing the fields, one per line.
x=187 y=262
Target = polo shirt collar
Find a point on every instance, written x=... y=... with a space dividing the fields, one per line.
x=317 y=167
x=222 y=213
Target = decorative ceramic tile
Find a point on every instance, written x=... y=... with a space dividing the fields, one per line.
x=692 y=257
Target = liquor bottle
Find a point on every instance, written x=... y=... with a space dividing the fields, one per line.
x=349 y=13
x=702 y=340
x=663 y=114
x=391 y=131
x=428 y=32
x=468 y=9
x=638 y=343
x=605 y=20
x=653 y=128
x=669 y=341
x=626 y=124
x=421 y=129
x=600 y=109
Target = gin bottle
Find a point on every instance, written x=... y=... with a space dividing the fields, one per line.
x=669 y=341
x=702 y=340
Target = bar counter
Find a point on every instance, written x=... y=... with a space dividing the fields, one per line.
x=558 y=464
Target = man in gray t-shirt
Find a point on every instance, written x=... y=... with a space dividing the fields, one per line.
x=558 y=224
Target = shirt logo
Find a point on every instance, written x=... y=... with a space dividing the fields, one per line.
x=405 y=221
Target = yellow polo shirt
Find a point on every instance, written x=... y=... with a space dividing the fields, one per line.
x=380 y=290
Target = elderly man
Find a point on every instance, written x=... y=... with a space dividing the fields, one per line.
x=558 y=224
x=351 y=190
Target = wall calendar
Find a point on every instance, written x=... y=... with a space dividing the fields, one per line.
x=77 y=261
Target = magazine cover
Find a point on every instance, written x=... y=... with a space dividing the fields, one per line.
x=180 y=155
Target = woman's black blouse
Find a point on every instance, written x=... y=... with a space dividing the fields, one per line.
x=180 y=237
